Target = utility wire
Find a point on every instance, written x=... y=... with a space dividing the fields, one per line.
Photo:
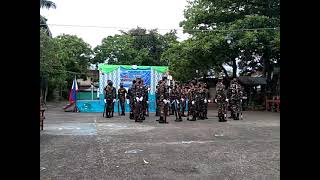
x=192 y=30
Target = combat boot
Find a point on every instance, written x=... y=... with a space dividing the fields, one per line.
x=161 y=120
x=131 y=116
x=237 y=117
x=179 y=119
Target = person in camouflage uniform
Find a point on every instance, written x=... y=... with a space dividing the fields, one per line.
x=202 y=101
x=206 y=100
x=220 y=99
x=122 y=97
x=163 y=100
x=183 y=100
x=110 y=98
x=145 y=100
x=235 y=99
x=198 y=101
x=130 y=96
x=192 y=106
x=157 y=98
x=114 y=95
x=138 y=102
x=172 y=95
x=175 y=97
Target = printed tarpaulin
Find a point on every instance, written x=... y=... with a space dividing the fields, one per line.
x=125 y=74
x=105 y=68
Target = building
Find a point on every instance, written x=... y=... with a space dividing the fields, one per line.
x=88 y=88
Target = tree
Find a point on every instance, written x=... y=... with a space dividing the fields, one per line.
x=137 y=46
x=43 y=21
x=47 y=4
x=73 y=53
x=50 y=66
x=222 y=21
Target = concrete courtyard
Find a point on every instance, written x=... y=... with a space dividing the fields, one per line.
x=87 y=146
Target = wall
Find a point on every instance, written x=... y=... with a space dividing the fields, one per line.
x=86 y=95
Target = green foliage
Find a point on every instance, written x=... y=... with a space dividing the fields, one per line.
x=255 y=50
x=49 y=62
x=61 y=55
x=43 y=21
x=137 y=46
x=47 y=4
x=74 y=54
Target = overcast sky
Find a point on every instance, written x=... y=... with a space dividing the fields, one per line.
x=161 y=14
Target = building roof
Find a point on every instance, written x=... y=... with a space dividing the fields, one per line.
x=253 y=80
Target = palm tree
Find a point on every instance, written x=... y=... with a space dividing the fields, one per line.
x=43 y=24
x=43 y=21
x=47 y=4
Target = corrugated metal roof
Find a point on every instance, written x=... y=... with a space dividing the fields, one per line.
x=253 y=80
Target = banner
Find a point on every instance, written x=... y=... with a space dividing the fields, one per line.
x=127 y=76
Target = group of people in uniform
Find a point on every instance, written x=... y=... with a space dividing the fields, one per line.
x=230 y=98
x=181 y=100
x=136 y=97
x=176 y=99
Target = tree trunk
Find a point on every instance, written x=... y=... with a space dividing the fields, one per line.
x=45 y=95
x=234 y=68
x=224 y=71
x=41 y=94
x=205 y=77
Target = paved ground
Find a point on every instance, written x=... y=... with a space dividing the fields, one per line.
x=86 y=146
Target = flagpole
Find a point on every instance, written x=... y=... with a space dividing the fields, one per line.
x=76 y=85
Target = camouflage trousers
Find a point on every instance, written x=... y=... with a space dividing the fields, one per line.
x=235 y=106
x=222 y=107
x=122 y=104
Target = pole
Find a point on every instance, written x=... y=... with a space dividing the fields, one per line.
x=91 y=92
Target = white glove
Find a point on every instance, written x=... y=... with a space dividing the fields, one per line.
x=165 y=101
x=127 y=101
x=177 y=102
x=209 y=101
x=137 y=99
x=105 y=101
x=147 y=102
x=205 y=100
x=114 y=100
x=182 y=99
x=141 y=98
x=215 y=100
x=148 y=89
x=192 y=102
x=227 y=100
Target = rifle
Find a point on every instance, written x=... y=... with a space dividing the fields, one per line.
x=188 y=107
x=118 y=106
x=226 y=110
x=165 y=112
x=104 y=109
x=112 y=108
x=174 y=108
x=147 y=108
x=241 y=109
x=178 y=109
